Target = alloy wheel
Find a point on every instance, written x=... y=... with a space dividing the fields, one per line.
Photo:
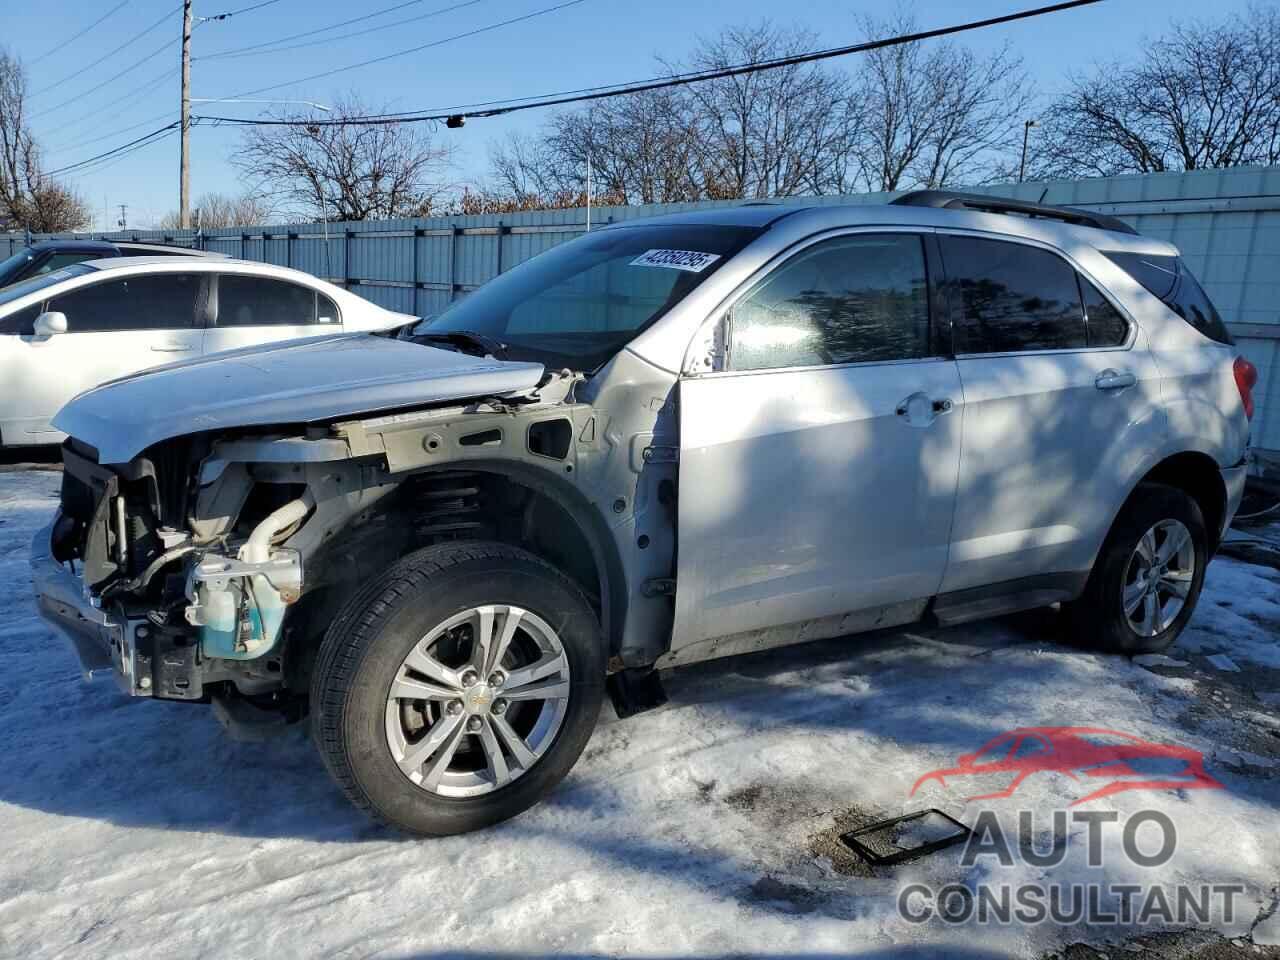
x=1158 y=578
x=478 y=701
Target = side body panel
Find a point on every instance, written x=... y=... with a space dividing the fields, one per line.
x=804 y=494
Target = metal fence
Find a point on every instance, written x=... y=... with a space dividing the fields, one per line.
x=1225 y=222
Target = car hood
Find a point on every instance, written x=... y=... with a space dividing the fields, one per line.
x=299 y=382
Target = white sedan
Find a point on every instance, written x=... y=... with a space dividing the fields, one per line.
x=72 y=329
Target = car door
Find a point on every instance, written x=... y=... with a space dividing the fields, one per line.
x=1061 y=401
x=251 y=309
x=818 y=469
x=115 y=327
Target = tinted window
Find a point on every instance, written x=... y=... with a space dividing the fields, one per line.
x=577 y=304
x=21 y=323
x=1169 y=279
x=32 y=284
x=57 y=261
x=162 y=301
x=266 y=302
x=850 y=300
x=1107 y=326
x=1012 y=297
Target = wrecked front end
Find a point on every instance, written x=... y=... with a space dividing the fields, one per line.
x=208 y=567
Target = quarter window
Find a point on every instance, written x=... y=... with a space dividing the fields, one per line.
x=266 y=302
x=1169 y=279
x=162 y=301
x=1107 y=326
x=1012 y=297
x=855 y=299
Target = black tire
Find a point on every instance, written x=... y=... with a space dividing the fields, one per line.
x=1098 y=616
x=370 y=638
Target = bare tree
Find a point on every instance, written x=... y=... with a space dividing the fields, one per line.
x=933 y=114
x=216 y=210
x=771 y=133
x=333 y=166
x=1206 y=95
x=27 y=197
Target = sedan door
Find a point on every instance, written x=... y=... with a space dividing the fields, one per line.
x=249 y=310
x=115 y=327
x=818 y=470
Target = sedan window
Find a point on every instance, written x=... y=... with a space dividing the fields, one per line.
x=245 y=301
x=23 y=287
x=162 y=301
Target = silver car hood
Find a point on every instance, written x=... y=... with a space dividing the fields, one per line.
x=299 y=382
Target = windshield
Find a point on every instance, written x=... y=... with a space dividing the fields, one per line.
x=579 y=303
x=24 y=287
x=12 y=267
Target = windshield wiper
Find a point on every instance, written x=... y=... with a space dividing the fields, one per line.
x=460 y=339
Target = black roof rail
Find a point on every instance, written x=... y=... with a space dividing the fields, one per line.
x=952 y=200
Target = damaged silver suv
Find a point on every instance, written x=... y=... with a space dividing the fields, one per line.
x=662 y=442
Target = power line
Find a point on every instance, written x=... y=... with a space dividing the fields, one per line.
x=108 y=136
x=148 y=137
x=163 y=48
x=678 y=80
x=417 y=49
x=96 y=114
x=232 y=13
x=107 y=55
x=65 y=43
x=253 y=48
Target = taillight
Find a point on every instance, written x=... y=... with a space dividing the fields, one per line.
x=1246 y=378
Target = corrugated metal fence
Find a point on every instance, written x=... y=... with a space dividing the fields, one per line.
x=1226 y=223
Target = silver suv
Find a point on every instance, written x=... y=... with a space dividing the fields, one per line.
x=662 y=442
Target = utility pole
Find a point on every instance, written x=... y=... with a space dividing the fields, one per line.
x=1026 y=132
x=184 y=175
x=123 y=222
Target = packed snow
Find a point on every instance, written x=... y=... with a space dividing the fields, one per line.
x=707 y=827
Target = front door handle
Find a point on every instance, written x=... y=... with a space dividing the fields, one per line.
x=1114 y=380
x=920 y=410
x=172 y=348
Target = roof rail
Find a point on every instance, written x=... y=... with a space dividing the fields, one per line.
x=952 y=200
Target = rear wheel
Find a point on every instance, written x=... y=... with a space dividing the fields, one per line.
x=1148 y=575
x=458 y=688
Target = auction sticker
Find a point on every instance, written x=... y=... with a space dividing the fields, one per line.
x=688 y=260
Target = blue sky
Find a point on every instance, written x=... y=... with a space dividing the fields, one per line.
x=593 y=42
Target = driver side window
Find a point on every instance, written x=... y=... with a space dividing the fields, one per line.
x=856 y=299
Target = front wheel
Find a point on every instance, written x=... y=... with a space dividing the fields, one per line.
x=458 y=688
x=1148 y=575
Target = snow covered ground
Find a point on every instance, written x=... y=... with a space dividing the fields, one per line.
x=135 y=829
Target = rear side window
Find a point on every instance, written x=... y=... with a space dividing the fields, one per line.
x=161 y=301
x=856 y=299
x=266 y=302
x=1169 y=279
x=1012 y=297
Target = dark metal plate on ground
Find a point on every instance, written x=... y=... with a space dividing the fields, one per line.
x=907 y=837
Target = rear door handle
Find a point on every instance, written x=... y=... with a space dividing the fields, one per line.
x=1114 y=380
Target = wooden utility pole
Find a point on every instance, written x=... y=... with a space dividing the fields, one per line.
x=184 y=176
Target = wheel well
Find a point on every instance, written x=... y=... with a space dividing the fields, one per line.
x=437 y=507
x=1197 y=475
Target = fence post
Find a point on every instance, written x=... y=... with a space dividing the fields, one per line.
x=347 y=233
x=454 y=234
x=503 y=230
x=413 y=252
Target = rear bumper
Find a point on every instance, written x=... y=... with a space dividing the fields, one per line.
x=96 y=636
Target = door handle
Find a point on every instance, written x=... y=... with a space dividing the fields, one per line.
x=920 y=410
x=1114 y=380
x=171 y=348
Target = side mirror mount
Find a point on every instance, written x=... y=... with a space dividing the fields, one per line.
x=50 y=324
